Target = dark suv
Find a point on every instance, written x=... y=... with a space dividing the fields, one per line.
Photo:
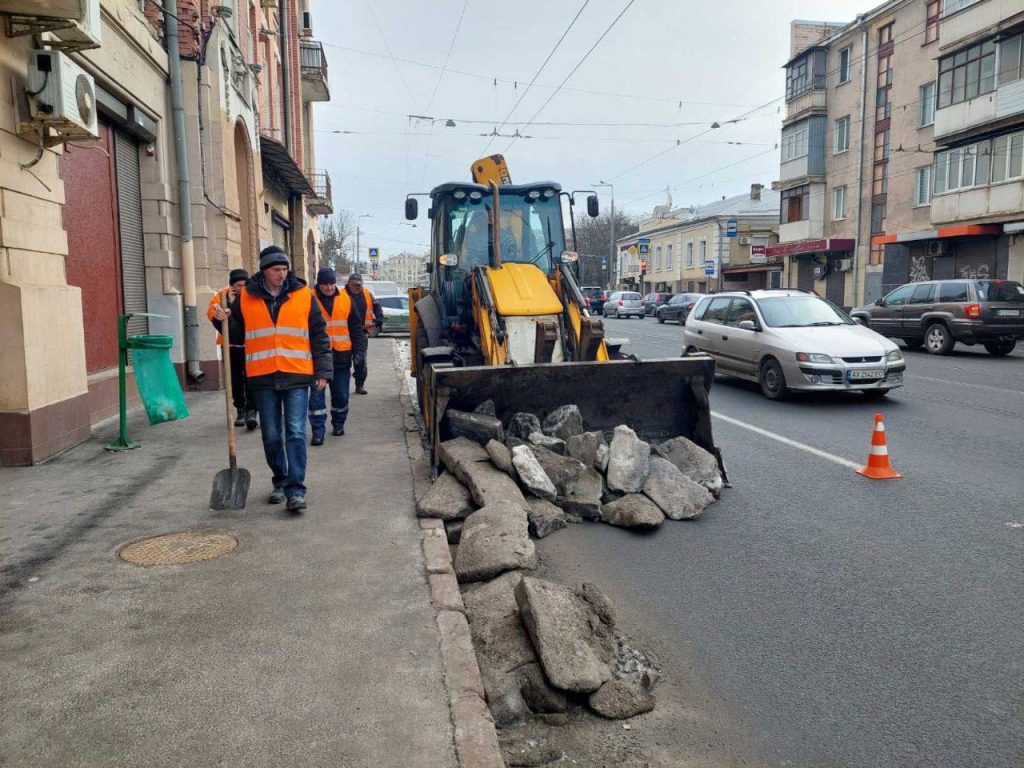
x=654 y=300
x=678 y=307
x=939 y=313
x=596 y=295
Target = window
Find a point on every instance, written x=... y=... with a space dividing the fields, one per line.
x=689 y=253
x=924 y=293
x=717 y=311
x=703 y=251
x=899 y=297
x=931 y=21
x=797 y=78
x=657 y=258
x=967 y=74
x=952 y=6
x=877 y=218
x=885 y=35
x=795 y=141
x=953 y=292
x=668 y=257
x=963 y=167
x=927 y=96
x=844 y=64
x=1007 y=157
x=795 y=204
x=838 y=203
x=842 y=139
x=1011 y=59
x=923 y=186
x=741 y=310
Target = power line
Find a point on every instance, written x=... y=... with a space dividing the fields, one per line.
x=537 y=74
x=440 y=76
x=387 y=47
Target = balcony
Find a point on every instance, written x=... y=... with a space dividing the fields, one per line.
x=810 y=102
x=973 y=20
x=320 y=202
x=979 y=203
x=1005 y=102
x=313 y=64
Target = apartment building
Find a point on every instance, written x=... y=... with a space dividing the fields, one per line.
x=878 y=112
x=90 y=222
x=718 y=246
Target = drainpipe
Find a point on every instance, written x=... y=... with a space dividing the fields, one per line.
x=188 y=263
x=294 y=202
x=860 y=171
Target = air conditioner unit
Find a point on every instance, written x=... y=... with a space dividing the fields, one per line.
x=936 y=248
x=44 y=9
x=65 y=95
x=744 y=240
x=85 y=33
x=844 y=265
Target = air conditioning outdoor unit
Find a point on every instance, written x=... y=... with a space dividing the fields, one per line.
x=844 y=265
x=85 y=33
x=744 y=240
x=936 y=248
x=65 y=95
x=74 y=23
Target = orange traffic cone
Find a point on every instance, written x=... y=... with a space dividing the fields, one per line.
x=878 y=460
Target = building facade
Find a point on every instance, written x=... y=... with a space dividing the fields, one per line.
x=878 y=113
x=90 y=226
x=718 y=246
x=405 y=269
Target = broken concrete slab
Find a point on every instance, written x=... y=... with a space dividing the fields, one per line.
x=576 y=648
x=584 y=447
x=471 y=464
x=633 y=510
x=601 y=461
x=679 y=497
x=521 y=425
x=494 y=539
x=563 y=422
x=553 y=444
x=500 y=455
x=629 y=461
x=447 y=499
x=531 y=474
x=563 y=471
x=460 y=450
x=584 y=495
x=625 y=697
x=487 y=408
x=478 y=427
x=694 y=462
x=544 y=517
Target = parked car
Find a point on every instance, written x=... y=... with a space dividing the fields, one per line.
x=939 y=313
x=654 y=300
x=596 y=295
x=678 y=307
x=396 y=315
x=792 y=340
x=624 y=304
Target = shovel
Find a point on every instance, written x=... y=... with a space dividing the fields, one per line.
x=231 y=485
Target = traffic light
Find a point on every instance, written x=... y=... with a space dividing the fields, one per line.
x=643 y=266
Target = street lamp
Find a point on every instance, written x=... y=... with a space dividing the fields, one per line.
x=613 y=262
x=358 y=252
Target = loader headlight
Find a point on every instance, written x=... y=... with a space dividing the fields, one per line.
x=894 y=357
x=533 y=194
x=813 y=357
x=568 y=257
x=549 y=193
x=448 y=260
x=459 y=194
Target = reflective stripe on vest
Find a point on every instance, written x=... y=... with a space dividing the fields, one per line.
x=284 y=347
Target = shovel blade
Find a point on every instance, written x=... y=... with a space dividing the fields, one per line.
x=230 y=489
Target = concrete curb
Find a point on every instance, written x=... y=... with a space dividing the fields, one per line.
x=476 y=739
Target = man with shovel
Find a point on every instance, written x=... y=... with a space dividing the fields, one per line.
x=244 y=401
x=287 y=350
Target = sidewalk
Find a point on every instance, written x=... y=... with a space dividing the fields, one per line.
x=313 y=643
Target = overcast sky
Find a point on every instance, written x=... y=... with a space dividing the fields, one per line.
x=721 y=58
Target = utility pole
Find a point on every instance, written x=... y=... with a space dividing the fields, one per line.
x=356 y=267
x=613 y=263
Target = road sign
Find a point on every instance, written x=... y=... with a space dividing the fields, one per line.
x=643 y=239
x=645 y=248
x=758 y=254
x=709 y=267
x=374 y=253
x=731 y=228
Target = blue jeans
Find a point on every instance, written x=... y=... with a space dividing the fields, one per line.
x=283 y=426
x=339 y=385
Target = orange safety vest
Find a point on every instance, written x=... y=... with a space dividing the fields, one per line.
x=215 y=302
x=284 y=347
x=337 y=320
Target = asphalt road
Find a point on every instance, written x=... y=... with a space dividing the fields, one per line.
x=841 y=621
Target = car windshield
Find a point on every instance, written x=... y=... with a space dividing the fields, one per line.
x=801 y=312
x=530 y=231
x=1001 y=290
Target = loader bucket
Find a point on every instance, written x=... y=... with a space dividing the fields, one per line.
x=658 y=399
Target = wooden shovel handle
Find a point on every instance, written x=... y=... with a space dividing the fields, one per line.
x=226 y=367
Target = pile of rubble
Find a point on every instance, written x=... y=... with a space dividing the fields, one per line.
x=542 y=647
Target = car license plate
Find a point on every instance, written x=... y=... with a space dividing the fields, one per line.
x=1008 y=312
x=871 y=373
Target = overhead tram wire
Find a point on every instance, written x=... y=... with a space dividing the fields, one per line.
x=536 y=75
x=391 y=55
x=573 y=71
x=437 y=84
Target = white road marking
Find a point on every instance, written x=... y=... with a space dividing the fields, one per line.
x=964 y=384
x=1015 y=525
x=788 y=441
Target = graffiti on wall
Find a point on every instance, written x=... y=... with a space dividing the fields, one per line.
x=919 y=269
x=975 y=272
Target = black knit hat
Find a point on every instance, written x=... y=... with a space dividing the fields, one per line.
x=326 y=276
x=272 y=256
x=236 y=275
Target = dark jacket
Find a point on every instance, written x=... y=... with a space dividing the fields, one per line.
x=358 y=312
x=319 y=342
x=236 y=331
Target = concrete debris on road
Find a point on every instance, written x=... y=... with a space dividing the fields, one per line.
x=500 y=455
x=553 y=444
x=531 y=474
x=694 y=462
x=585 y=447
x=679 y=497
x=564 y=422
x=625 y=697
x=522 y=425
x=447 y=499
x=495 y=539
x=478 y=427
x=583 y=497
x=629 y=461
x=544 y=517
x=634 y=510
x=471 y=464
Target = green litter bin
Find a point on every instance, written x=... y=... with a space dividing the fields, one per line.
x=155 y=376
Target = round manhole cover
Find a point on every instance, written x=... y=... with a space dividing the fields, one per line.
x=178 y=548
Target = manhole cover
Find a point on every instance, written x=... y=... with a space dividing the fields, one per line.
x=178 y=548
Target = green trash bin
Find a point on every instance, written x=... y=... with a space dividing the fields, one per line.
x=156 y=379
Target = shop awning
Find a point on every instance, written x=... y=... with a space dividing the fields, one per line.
x=275 y=155
x=961 y=230
x=750 y=268
x=800 y=247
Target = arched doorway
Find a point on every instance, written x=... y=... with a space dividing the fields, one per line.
x=246 y=188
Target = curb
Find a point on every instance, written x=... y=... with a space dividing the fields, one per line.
x=476 y=739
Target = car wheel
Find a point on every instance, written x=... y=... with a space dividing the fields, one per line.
x=772 y=380
x=875 y=394
x=1000 y=347
x=938 y=340
x=661 y=318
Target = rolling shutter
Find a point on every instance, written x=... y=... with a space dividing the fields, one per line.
x=129 y=212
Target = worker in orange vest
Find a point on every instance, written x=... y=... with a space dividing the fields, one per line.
x=287 y=351
x=244 y=401
x=365 y=311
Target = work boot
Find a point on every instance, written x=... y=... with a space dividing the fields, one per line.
x=239 y=417
x=251 y=421
x=338 y=431
x=360 y=389
x=318 y=439
x=276 y=496
x=296 y=503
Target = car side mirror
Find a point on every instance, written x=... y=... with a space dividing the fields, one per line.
x=748 y=325
x=859 y=320
x=592 y=209
x=412 y=208
x=879 y=303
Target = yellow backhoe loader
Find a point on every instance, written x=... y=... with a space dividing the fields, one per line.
x=504 y=320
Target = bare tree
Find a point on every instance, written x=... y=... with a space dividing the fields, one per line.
x=593 y=241
x=336 y=240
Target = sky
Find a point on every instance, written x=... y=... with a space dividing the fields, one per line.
x=637 y=112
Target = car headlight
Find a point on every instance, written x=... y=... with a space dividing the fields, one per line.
x=894 y=357
x=813 y=357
